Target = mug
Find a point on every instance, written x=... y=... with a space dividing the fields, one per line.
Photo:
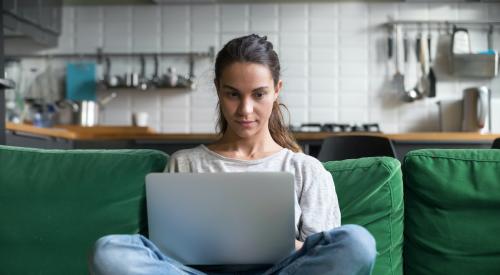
x=140 y=119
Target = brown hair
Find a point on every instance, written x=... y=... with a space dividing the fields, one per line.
x=255 y=49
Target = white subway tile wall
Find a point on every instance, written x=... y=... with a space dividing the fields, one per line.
x=334 y=58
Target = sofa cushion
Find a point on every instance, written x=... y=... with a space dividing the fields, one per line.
x=370 y=193
x=452 y=202
x=55 y=204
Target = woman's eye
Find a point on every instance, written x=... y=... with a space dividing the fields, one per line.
x=233 y=94
x=259 y=95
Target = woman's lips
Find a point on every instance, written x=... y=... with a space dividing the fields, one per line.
x=246 y=123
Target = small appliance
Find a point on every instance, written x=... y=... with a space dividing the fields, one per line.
x=476 y=109
x=450 y=115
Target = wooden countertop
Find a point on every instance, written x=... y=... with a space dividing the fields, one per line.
x=417 y=136
x=82 y=133
x=74 y=132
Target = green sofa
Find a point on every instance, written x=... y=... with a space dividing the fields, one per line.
x=55 y=204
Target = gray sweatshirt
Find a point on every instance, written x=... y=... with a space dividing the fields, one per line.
x=316 y=204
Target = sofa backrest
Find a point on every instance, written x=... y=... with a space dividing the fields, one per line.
x=452 y=211
x=55 y=204
x=370 y=193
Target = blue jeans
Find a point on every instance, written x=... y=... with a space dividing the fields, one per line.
x=349 y=249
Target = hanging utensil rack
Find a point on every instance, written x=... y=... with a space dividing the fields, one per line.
x=100 y=56
x=439 y=24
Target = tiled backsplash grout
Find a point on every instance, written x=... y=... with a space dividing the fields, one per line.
x=333 y=55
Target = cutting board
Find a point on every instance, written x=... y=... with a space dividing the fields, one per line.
x=80 y=81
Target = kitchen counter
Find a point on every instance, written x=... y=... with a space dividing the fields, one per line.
x=422 y=136
x=73 y=132
x=120 y=137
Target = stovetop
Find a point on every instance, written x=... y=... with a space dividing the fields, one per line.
x=336 y=127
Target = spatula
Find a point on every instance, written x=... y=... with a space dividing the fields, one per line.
x=398 y=78
x=432 y=75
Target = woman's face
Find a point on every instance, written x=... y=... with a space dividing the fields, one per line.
x=246 y=95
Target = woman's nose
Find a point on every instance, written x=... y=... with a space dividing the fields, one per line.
x=245 y=107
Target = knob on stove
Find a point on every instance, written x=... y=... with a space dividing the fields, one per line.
x=371 y=127
x=335 y=127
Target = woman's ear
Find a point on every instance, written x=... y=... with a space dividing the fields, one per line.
x=277 y=89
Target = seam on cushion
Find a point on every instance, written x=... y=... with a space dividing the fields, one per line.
x=58 y=152
x=350 y=168
x=390 y=221
x=121 y=152
x=451 y=158
x=377 y=162
x=157 y=157
x=391 y=215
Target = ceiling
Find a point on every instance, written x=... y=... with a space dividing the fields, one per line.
x=146 y=2
x=151 y=2
x=107 y=2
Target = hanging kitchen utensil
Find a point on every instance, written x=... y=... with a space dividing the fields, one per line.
x=110 y=81
x=490 y=37
x=406 y=42
x=192 y=82
x=390 y=49
x=417 y=44
x=156 y=80
x=171 y=77
x=53 y=90
x=390 y=44
x=398 y=78
x=432 y=75
x=424 y=69
x=133 y=78
x=414 y=93
x=143 y=81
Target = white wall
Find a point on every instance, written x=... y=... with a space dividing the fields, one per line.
x=333 y=55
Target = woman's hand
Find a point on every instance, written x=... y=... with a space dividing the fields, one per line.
x=298 y=245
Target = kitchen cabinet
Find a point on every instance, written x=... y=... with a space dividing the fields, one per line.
x=39 y=20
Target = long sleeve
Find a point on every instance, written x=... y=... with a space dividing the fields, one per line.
x=318 y=202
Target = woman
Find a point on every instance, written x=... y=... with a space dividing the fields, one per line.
x=254 y=138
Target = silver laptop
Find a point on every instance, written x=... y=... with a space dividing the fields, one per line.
x=208 y=219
